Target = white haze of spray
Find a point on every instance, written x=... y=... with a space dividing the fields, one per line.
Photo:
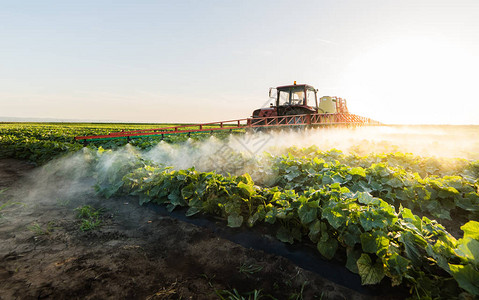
x=243 y=153
x=63 y=181
x=73 y=176
x=439 y=141
x=70 y=179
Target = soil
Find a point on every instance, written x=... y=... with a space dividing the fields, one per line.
x=136 y=253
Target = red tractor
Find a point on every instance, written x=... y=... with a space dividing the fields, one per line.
x=300 y=99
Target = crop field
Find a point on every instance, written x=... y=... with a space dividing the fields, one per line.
x=39 y=142
x=397 y=207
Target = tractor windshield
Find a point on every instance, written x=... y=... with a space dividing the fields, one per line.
x=293 y=96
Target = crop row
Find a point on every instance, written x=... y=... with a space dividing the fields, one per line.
x=332 y=206
x=388 y=178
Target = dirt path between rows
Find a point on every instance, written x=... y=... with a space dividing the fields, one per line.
x=135 y=254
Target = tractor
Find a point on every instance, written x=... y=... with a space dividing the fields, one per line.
x=299 y=99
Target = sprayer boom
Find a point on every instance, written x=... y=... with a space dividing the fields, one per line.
x=303 y=120
x=292 y=105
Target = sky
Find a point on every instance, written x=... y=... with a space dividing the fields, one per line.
x=398 y=62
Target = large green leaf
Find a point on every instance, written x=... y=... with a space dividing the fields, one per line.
x=352 y=258
x=395 y=182
x=192 y=211
x=326 y=179
x=468 y=249
x=410 y=220
x=352 y=236
x=397 y=266
x=338 y=179
x=467 y=277
x=328 y=248
x=144 y=199
x=284 y=235
x=371 y=273
x=376 y=243
x=366 y=198
x=315 y=231
x=247 y=189
x=436 y=209
x=292 y=173
x=235 y=220
x=412 y=245
x=358 y=171
x=440 y=252
x=188 y=191
x=109 y=190
x=175 y=199
x=371 y=219
x=270 y=216
x=471 y=229
x=335 y=216
x=248 y=178
x=470 y=202
x=307 y=214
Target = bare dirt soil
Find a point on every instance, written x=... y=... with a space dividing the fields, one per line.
x=135 y=254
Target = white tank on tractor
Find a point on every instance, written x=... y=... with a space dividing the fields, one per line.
x=332 y=105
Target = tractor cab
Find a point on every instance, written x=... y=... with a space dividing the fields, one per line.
x=299 y=99
x=296 y=99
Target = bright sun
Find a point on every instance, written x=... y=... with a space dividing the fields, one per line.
x=415 y=81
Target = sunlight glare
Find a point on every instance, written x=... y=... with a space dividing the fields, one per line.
x=413 y=80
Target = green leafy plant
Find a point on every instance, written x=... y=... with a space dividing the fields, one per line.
x=209 y=278
x=90 y=218
x=39 y=230
x=89 y=224
x=7 y=203
x=299 y=295
x=64 y=203
x=249 y=268
x=235 y=295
